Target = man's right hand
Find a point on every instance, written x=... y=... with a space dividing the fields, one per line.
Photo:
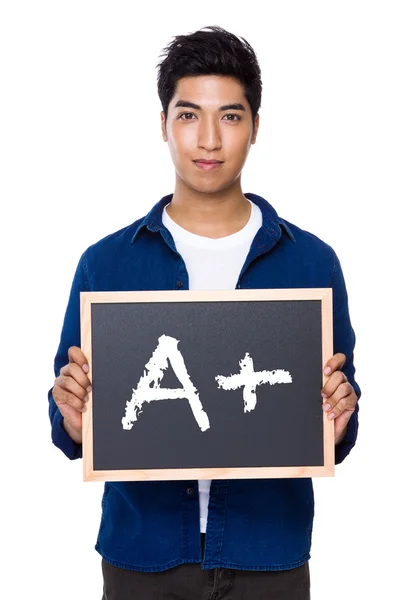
x=70 y=392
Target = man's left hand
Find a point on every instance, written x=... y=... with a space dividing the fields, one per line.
x=339 y=398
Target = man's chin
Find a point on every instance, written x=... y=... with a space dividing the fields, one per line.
x=208 y=188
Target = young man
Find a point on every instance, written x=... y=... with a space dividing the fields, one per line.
x=255 y=534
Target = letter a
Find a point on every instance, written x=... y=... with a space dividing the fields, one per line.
x=146 y=392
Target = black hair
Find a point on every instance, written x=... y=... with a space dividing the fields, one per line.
x=212 y=52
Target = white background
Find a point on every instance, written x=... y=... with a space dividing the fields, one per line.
x=82 y=156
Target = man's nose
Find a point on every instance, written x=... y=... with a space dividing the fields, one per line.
x=209 y=136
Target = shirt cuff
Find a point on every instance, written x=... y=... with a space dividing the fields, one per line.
x=62 y=440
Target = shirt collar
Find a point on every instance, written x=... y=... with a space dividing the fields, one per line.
x=270 y=219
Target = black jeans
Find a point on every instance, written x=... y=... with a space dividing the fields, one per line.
x=190 y=582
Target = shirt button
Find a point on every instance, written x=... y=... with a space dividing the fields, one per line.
x=190 y=491
x=180 y=283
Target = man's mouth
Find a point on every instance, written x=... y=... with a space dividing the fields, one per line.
x=208 y=165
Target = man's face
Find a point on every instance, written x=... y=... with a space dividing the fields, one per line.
x=209 y=118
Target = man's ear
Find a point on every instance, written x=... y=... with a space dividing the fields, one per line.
x=163 y=127
x=255 y=129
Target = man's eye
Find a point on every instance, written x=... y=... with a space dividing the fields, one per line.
x=234 y=116
x=186 y=115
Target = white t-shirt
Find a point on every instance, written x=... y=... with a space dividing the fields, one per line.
x=213 y=264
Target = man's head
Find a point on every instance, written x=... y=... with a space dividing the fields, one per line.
x=210 y=87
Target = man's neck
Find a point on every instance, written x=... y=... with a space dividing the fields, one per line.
x=210 y=215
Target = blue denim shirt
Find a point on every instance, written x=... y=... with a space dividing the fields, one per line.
x=255 y=524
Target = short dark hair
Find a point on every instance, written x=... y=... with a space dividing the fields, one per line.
x=212 y=52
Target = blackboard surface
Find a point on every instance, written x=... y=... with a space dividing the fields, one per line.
x=284 y=426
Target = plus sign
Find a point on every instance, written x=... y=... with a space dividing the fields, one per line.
x=249 y=379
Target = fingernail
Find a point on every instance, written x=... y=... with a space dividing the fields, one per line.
x=326 y=407
x=327 y=370
x=86 y=397
x=84 y=408
x=323 y=395
x=89 y=388
x=332 y=416
x=85 y=368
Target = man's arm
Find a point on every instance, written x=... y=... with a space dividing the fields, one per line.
x=341 y=392
x=66 y=436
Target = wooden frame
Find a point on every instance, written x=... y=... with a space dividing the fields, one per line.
x=89 y=298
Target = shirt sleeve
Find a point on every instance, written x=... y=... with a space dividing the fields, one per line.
x=344 y=341
x=70 y=336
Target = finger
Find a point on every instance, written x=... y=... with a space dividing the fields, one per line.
x=75 y=355
x=334 y=364
x=62 y=398
x=337 y=409
x=344 y=403
x=70 y=385
x=72 y=417
x=343 y=391
x=75 y=371
x=334 y=381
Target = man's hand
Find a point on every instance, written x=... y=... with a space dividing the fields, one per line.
x=70 y=392
x=339 y=398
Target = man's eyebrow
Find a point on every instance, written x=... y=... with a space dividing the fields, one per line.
x=232 y=107
x=187 y=104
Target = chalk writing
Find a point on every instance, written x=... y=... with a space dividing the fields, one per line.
x=148 y=388
x=146 y=392
x=249 y=380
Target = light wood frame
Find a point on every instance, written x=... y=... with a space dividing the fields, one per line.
x=89 y=298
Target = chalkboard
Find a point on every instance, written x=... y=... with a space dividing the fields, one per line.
x=206 y=384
